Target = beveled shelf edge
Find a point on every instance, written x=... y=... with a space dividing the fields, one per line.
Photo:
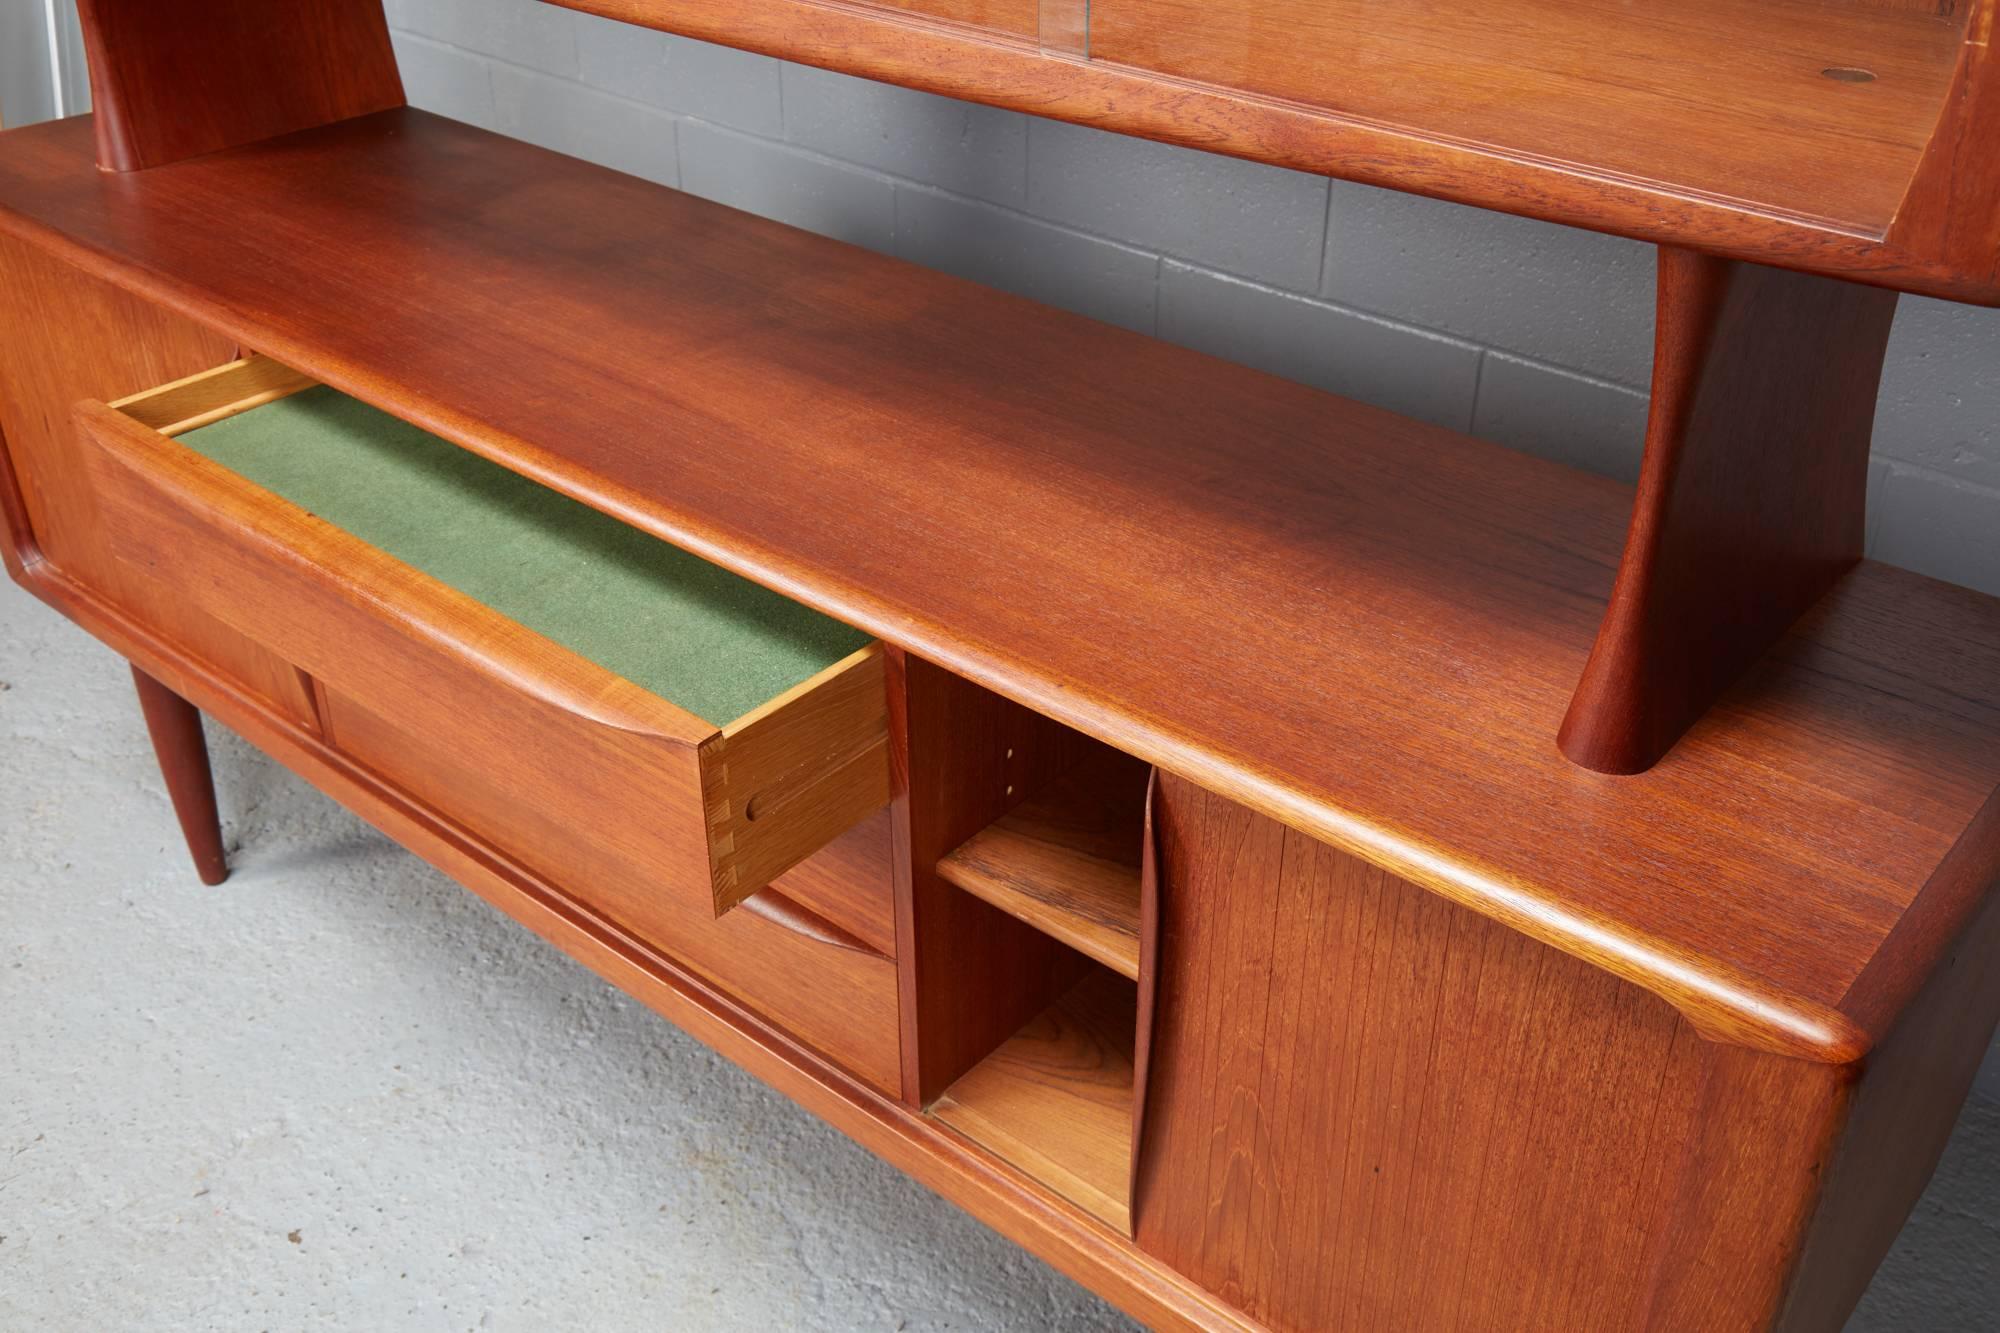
x=999 y=70
x=1001 y=1196
x=1719 y=1001
x=963 y=869
x=1091 y=902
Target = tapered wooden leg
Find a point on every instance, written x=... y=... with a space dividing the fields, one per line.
x=175 y=726
x=1752 y=494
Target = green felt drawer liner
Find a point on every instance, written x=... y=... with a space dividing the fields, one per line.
x=711 y=643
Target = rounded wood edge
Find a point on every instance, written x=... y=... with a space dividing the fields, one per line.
x=419 y=606
x=1720 y=1003
x=1019 y=1208
x=1757 y=1020
x=770 y=905
x=991 y=67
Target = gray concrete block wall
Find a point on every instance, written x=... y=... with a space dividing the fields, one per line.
x=1535 y=336
x=27 y=91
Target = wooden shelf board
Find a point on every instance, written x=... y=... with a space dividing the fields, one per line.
x=1056 y=1100
x=1066 y=861
x=935 y=1156
x=1703 y=97
x=1362 y=625
x=1708 y=123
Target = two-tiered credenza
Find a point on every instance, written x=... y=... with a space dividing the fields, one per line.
x=1287 y=864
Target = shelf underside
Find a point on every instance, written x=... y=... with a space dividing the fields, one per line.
x=1362 y=625
x=1056 y=1099
x=1066 y=861
x=1713 y=97
x=1701 y=122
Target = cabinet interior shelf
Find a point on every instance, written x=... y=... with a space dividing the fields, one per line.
x=1066 y=860
x=1055 y=1100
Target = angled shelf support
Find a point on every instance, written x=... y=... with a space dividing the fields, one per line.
x=264 y=70
x=1949 y=222
x=1752 y=494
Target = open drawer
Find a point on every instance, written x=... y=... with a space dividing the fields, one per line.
x=710 y=733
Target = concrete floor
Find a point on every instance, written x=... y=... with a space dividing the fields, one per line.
x=340 y=1092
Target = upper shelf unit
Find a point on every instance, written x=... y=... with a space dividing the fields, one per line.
x=1359 y=624
x=1838 y=135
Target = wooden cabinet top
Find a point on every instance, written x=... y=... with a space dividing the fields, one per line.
x=1844 y=136
x=1362 y=625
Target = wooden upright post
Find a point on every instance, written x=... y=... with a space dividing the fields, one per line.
x=1752 y=494
x=173 y=81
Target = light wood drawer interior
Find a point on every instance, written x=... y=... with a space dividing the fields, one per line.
x=663 y=812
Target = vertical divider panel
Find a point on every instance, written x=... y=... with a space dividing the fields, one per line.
x=1149 y=978
x=17 y=539
x=969 y=975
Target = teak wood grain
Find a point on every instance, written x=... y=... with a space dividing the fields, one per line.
x=174 y=725
x=749 y=800
x=1811 y=874
x=1056 y=1099
x=970 y=975
x=832 y=997
x=212 y=394
x=851 y=883
x=65 y=335
x=1343 y=588
x=592 y=779
x=1915 y=1085
x=783 y=780
x=1706 y=97
x=1066 y=860
x=1018 y=18
x=1753 y=493
x=1492 y=1135
x=773 y=904
x=1004 y=1198
x=176 y=80
x=1710 y=124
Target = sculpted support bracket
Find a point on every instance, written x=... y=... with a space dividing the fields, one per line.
x=1752 y=494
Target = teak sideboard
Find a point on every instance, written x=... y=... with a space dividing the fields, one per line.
x=1286 y=864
